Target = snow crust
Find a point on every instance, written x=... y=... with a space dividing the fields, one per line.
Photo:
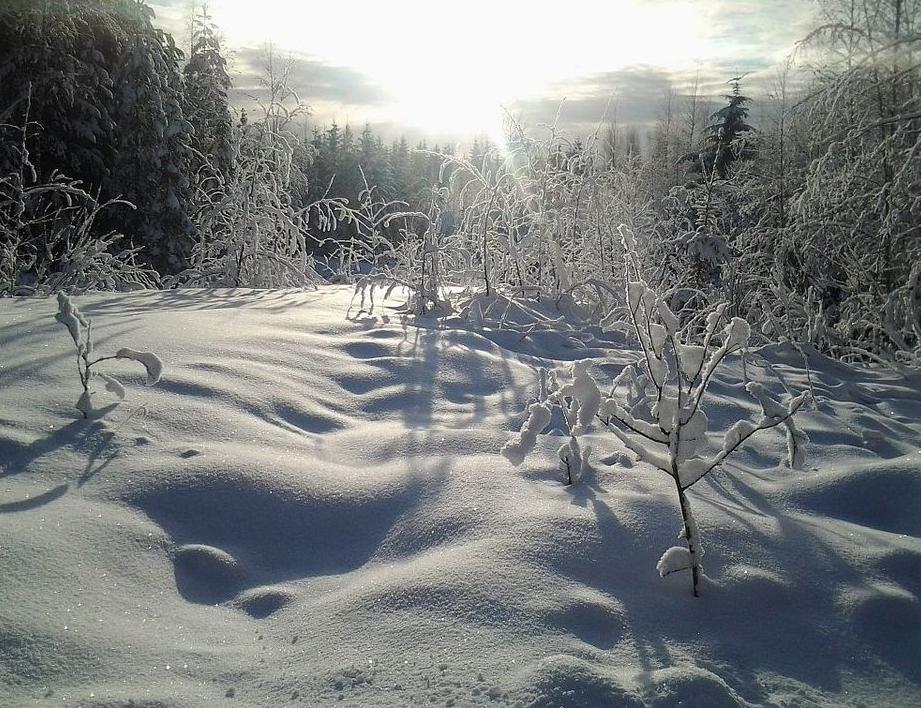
x=310 y=508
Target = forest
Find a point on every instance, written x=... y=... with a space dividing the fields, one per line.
x=124 y=166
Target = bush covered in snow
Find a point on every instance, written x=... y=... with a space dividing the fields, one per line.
x=81 y=331
x=49 y=232
x=657 y=406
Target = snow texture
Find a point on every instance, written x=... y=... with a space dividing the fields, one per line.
x=310 y=510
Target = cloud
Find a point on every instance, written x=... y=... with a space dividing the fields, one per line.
x=735 y=37
x=312 y=79
x=758 y=30
x=634 y=95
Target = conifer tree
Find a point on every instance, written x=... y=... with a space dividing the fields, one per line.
x=722 y=146
x=57 y=59
x=105 y=88
x=402 y=177
x=206 y=85
x=151 y=137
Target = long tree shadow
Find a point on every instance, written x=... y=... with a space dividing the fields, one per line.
x=80 y=435
x=431 y=338
x=659 y=613
x=34 y=502
x=200 y=299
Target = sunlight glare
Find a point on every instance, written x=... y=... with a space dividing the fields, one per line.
x=452 y=67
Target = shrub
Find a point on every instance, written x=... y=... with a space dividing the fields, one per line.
x=660 y=413
x=81 y=331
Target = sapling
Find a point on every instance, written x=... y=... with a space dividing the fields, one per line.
x=578 y=400
x=661 y=417
x=81 y=331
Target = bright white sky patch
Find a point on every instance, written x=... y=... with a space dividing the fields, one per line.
x=450 y=67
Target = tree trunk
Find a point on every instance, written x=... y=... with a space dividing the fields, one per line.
x=689 y=536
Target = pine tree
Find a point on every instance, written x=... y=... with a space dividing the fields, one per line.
x=476 y=154
x=402 y=177
x=723 y=136
x=206 y=87
x=384 y=176
x=151 y=138
x=106 y=91
x=330 y=155
x=349 y=178
x=58 y=59
x=373 y=160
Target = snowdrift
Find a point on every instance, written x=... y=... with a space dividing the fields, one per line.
x=310 y=508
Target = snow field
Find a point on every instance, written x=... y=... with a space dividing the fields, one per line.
x=310 y=508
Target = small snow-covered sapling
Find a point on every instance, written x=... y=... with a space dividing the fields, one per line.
x=577 y=400
x=661 y=417
x=81 y=331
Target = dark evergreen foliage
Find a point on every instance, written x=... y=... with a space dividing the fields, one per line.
x=106 y=109
x=205 y=95
x=724 y=144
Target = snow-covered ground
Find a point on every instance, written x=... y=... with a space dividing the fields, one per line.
x=310 y=508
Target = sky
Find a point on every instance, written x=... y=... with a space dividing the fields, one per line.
x=453 y=70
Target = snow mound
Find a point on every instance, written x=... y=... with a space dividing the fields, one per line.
x=564 y=680
x=206 y=574
x=883 y=494
x=261 y=602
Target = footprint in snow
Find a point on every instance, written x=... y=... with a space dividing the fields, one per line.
x=210 y=576
x=206 y=575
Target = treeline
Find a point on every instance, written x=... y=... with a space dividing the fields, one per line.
x=99 y=103
x=122 y=165
x=808 y=225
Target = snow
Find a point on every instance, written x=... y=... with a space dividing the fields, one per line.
x=515 y=451
x=70 y=317
x=691 y=358
x=674 y=559
x=310 y=508
x=150 y=361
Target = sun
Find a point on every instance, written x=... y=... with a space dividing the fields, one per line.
x=452 y=68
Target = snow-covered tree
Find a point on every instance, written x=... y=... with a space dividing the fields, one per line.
x=49 y=235
x=657 y=407
x=105 y=89
x=151 y=135
x=206 y=83
x=724 y=143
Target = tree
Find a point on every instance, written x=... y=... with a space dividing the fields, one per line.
x=402 y=177
x=371 y=157
x=105 y=90
x=663 y=147
x=662 y=417
x=59 y=59
x=854 y=235
x=205 y=94
x=723 y=137
x=152 y=158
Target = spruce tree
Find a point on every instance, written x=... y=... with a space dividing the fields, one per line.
x=104 y=92
x=206 y=85
x=151 y=137
x=402 y=177
x=56 y=63
x=722 y=139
